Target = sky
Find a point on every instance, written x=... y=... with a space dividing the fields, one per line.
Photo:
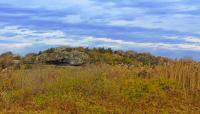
x=169 y=28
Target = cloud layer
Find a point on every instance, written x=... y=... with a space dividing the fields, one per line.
x=159 y=26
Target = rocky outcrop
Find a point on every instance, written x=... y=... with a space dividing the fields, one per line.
x=60 y=56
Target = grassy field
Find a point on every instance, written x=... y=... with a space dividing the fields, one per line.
x=101 y=89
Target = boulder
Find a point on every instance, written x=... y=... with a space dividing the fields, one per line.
x=62 y=57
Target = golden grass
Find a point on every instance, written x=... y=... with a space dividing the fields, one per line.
x=101 y=89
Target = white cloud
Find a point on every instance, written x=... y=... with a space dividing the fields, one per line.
x=192 y=39
x=47 y=4
x=26 y=37
x=166 y=46
x=72 y=19
x=187 y=39
x=177 y=22
x=14 y=45
x=26 y=32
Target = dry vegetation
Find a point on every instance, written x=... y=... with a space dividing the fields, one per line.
x=101 y=89
x=111 y=83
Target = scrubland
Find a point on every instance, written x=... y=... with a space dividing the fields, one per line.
x=107 y=82
x=171 y=88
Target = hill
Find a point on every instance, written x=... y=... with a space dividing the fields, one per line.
x=65 y=55
x=98 y=81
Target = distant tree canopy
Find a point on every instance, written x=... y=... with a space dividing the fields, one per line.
x=29 y=58
x=7 y=59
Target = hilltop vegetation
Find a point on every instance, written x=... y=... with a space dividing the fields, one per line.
x=79 y=56
x=108 y=56
x=98 y=81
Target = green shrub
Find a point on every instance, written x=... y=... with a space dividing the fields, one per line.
x=165 y=84
x=42 y=101
x=15 y=95
x=137 y=88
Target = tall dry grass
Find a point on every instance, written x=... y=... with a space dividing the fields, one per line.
x=96 y=89
x=185 y=72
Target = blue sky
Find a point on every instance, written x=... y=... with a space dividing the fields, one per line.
x=168 y=28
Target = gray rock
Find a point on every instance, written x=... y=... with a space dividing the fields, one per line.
x=60 y=56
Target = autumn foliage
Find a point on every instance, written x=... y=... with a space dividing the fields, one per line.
x=113 y=82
